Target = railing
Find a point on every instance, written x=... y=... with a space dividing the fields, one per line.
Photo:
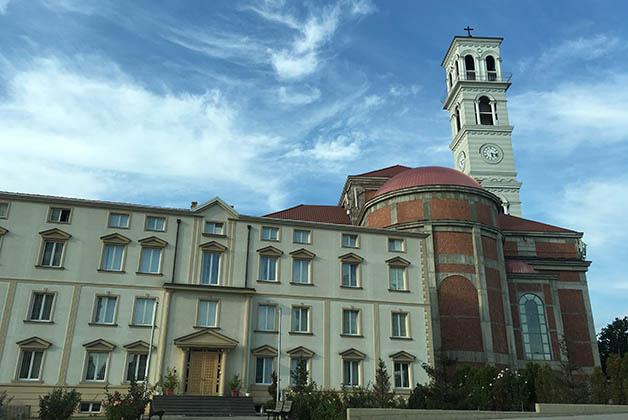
x=473 y=76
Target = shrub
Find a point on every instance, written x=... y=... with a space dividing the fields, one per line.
x=599 y=389
x=126 y=406
x=418 y=397
x=509 y=391
x=4 y=399
x=58 y=404
x=382 y=396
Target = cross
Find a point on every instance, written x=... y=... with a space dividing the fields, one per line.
x=469 y=29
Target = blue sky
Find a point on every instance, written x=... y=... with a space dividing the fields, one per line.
x=269 y=104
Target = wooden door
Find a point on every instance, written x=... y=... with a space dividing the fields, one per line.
x=204 y=372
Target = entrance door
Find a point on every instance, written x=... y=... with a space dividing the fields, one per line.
x=203 y=372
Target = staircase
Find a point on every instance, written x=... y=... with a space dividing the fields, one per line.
x=204 y=405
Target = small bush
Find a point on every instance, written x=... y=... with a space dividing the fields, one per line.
x=126 y=406
x=59 y=404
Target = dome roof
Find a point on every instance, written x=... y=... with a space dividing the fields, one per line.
x=427 y=175
x=519 y=267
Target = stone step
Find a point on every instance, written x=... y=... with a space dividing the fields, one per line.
x=200 y=405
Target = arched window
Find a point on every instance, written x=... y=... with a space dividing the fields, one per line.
x=485 y=111
x=469 y=64
x=490 y=68
x=457 y=71
x=449 y=79
x=457 y=115
x=534 y=328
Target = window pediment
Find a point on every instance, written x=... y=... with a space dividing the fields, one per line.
x=153 y=242
x=303 y=254
x=398 y=262
x=352 y=354
x=300 y=353
x=265 y=351
x=34 y=343
x=270 y=251
x=3 y=231
x=115 y=239
x=402 y=356
x=213 y=246
x=55 y=234
x=205 y=338
x=351 y=258
x=139 y=346
x=99 y=345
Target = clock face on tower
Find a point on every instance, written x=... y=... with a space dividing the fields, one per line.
x=491 y=153
x=462 y=160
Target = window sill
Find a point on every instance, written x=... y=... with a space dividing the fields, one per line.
x=399 y=290
x=352 y=335
x=102 y=270
x=98 y=324
x=269 y=281
x=301 y=284
x=200 y=327
x=302 y=243
x=214 y=235
x=266 y=331
x=34 y=321
x=141 y=273
x=401 y=251
x=154 y=230
x=94 y=384
x=27 y=381
x=401 y=338
x=141 y=326
x=118 y=227
x=351 y=287
x=270 y=240
x=299 y=333
x=49 y=267
x=57 y=223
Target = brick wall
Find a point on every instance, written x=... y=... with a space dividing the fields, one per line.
x=380 y=218
x=453 y=243
x=450 y=208
x=483 y=213
x=555 y=250
x=409 y=211
x=459 y=315
x=576 y=326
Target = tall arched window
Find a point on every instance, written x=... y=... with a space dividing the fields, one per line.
x=485 y=111
x=457 y=71
x=490 y=68
x=469 y=65
x=449 y=78
x=457 y=115
x=534 y=328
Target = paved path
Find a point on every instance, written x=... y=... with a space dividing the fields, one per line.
x=617 y=416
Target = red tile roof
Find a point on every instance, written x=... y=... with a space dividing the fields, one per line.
x=427 y=175
x=508 y=222
x=310 y=213
x=386 y=172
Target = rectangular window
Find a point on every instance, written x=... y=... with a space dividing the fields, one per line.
x=266 y=318
x=351 y=373
x=207 y=313
x=350 y=322
x=150 y=260
x=155 y=223
x=90 y=407
x=301 y=236
x=349 y=275
x=402 y=375
x=112 y=257
x=264 y=370
x=4 y=210
x=210 y=269
x=96 y=366
x=399 y=324
x=396 y=278
x=143 y=314
x=395 y=244
x=105 y=309
x=349 y=240
x=300 y=321
x=213 y=228
x=118 y=220
x=270 y=234
x=300 y=271
x=268 y=269
x=30 y=365
x=136 y=367
x=59 y=215
x=41 y=307
x=51 y=256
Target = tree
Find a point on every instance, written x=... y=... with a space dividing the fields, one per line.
x=382 y=397
x=613 y=339
x=300 y=376
x=444 y=391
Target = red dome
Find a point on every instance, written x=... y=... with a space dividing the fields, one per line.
x=519 y=267
x=427 y=175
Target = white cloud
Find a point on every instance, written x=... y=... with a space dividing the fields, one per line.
x=295 y=97
x=570 y=114
x=341 y=148
x=401 y=90
x=362 y=7
x=71 y=134
x=583 y=48
x=597 y=207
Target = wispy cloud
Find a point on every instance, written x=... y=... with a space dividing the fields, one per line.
x=293 y=96
x=580 y=49
x=339 y=148
x=3 y=5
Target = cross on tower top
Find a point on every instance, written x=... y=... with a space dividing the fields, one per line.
x=468 y=29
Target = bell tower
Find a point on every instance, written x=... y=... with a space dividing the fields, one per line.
x=476 y=101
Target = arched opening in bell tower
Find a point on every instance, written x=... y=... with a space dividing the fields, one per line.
x=469 y=64
x=491 y=71
x=485 y=111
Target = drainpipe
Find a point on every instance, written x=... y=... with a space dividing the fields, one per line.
x=246 y=263
x=176 y=246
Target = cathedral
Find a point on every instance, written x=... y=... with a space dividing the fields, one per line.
x=409 y=263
